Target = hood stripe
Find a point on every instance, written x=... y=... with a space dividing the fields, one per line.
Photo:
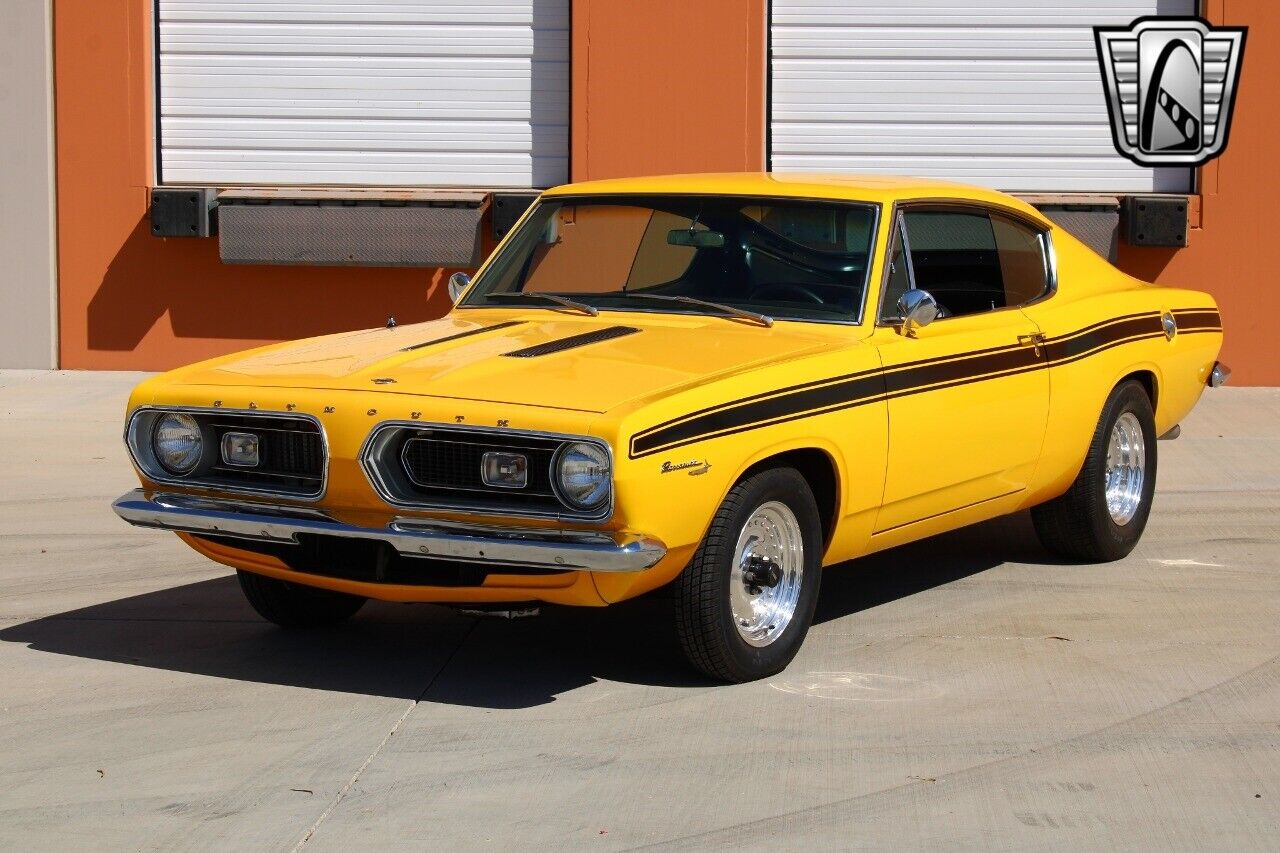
x=573 y=342
x=468 y=333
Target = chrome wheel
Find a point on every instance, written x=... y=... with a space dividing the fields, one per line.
x=768 y=569
x=1126 y=468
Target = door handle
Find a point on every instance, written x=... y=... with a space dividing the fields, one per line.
x=1036 y=340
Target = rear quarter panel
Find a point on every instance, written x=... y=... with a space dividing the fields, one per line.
x=1103 y=326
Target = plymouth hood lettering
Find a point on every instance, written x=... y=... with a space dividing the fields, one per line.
x=470 y=359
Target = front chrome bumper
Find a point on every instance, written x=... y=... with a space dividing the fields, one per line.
x=584 y=550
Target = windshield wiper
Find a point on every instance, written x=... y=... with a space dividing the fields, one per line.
x=741 y=313
x=551 y=297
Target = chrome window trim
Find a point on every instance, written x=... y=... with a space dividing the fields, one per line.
x=163 y=477
x=1045 y=230
x=897 y=236
x=387 y=494
x=674 y=313
x=1051 y=259
x=859 y=320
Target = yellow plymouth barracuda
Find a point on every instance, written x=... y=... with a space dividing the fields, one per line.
x=717 y=383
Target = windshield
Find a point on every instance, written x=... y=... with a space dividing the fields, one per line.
x=783 y=258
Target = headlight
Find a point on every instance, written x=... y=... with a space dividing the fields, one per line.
x=177 y=443
x=582 y=475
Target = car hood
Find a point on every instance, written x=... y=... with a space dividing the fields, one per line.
x=589 y=364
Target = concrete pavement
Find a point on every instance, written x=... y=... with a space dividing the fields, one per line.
x=968 y=691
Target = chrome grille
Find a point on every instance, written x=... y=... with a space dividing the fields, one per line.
x=451 y=463
x=439 y=466
x=292 y=456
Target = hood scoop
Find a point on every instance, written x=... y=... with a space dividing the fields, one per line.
x=468 y=333
x=573 y=342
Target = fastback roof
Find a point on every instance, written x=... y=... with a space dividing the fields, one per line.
x=873 y=188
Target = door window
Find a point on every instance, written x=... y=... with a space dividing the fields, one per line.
x=969 y=261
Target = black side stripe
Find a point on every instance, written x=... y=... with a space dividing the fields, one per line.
x=862 y=389
x=822 y=383
x=902 y=367
x=856 y=389
x=1062 y=348
x=779 y=392
x=648 y=444
x=901 y=376
x=1108 y=322
x=1198 y=319
x=1010 y=360
x=468 y=333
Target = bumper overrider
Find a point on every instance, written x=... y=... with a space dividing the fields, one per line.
x=541 y=548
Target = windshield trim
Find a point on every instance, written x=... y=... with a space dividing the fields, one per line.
x=859 y=319
x=671 y=313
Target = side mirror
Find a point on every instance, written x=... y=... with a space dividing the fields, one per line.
x=917 y=308
x=458 y=282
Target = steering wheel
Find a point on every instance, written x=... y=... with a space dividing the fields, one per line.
x=786 y=287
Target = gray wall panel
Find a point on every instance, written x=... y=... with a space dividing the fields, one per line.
x=28 y=294
x=363 y=235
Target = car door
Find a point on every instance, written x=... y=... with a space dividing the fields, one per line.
x=968 y=395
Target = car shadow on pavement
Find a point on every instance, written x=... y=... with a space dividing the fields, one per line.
x=894 y=574
x=431 y=653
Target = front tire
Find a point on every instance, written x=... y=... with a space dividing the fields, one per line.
x=745 y=601
x=1102 y=516
x=292 y=605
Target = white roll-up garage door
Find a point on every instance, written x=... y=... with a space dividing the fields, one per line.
x=363 y=92
x=1002 y=93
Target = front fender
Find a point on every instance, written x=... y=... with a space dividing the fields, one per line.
x=676 y=504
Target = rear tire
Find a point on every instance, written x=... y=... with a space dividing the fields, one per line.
x=295 y=606
x=769 y=518
x=1102 y=516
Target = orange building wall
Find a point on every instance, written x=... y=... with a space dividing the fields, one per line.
x=1234 y=253
x=649 y=95
x=667 y=86
x=660 y=86
x=128 y=300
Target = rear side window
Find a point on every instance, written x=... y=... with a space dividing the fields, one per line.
x=1023 y=266
x=973 y=261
